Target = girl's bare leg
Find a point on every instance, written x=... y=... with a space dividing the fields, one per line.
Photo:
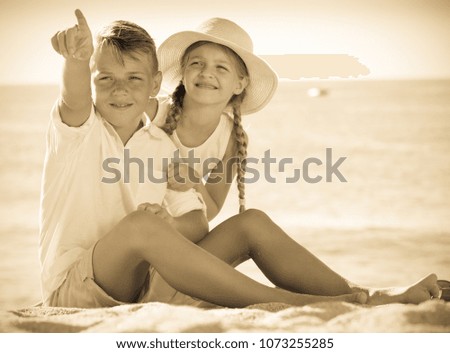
x=284 y=262
x=121 y=260
x=290 y=266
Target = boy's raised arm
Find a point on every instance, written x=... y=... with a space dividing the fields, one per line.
x=75 y=45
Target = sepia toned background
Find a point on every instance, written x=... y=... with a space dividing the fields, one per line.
x=382 y=70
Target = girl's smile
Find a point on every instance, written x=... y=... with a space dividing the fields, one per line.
x=203 y=85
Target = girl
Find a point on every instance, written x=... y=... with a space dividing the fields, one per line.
x=218 y=79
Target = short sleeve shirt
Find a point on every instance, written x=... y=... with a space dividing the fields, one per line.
x=91 y=181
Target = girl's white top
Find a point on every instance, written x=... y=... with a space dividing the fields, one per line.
x=208 y=153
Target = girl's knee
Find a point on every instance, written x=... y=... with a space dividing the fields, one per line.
x=255 y=215
x=252 y=219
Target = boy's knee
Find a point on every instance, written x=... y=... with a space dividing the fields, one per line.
x=142 y=226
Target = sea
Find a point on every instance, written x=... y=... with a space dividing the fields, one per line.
x=357 y=171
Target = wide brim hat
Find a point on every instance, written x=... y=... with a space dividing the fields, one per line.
x=263 y=80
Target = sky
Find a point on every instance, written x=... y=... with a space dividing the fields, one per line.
x=392 y=38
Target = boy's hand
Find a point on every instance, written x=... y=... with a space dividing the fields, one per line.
x=75 y=42
x=156 y=210
x=180 y=177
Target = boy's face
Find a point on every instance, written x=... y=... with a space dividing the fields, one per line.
x=122 y=90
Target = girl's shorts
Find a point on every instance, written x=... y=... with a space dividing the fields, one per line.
x=79 y=289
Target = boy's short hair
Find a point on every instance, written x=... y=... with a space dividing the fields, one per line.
x=127 y=38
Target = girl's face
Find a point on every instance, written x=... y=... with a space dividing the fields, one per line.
x=121 y=90
x=211 y=76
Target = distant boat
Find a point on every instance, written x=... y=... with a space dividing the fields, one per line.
x=315 y=92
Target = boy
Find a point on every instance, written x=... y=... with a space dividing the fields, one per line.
x=81 y=236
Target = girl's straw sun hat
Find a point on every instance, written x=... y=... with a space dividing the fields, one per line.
x=263 y=80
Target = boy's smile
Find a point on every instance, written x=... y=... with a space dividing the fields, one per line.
x=121 y=106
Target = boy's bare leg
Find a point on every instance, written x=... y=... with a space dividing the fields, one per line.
x=290 y=266
x=121 y=258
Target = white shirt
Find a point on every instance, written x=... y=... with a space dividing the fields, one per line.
x=91 y=181
x=210 y=152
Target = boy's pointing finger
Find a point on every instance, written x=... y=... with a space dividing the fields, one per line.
x=81 y=19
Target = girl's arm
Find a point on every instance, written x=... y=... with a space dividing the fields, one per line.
x=75 y=45
x=216 y=189
x=213 y=193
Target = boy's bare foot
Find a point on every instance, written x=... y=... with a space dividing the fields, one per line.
x=423 y=290
x=305 y=299
x=357 y=298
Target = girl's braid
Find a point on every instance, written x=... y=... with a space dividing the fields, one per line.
x=174 y=113
x=241 y=148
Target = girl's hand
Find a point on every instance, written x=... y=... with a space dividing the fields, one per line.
x=75 y=42
x=180 y=177
x=156 y=210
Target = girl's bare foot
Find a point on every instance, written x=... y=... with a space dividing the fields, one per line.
x=423 y=290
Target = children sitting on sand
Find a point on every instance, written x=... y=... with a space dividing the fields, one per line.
x=101 y=243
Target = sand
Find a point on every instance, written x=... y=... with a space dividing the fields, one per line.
x=431 y=316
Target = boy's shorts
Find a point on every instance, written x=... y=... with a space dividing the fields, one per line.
x=79 y=289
